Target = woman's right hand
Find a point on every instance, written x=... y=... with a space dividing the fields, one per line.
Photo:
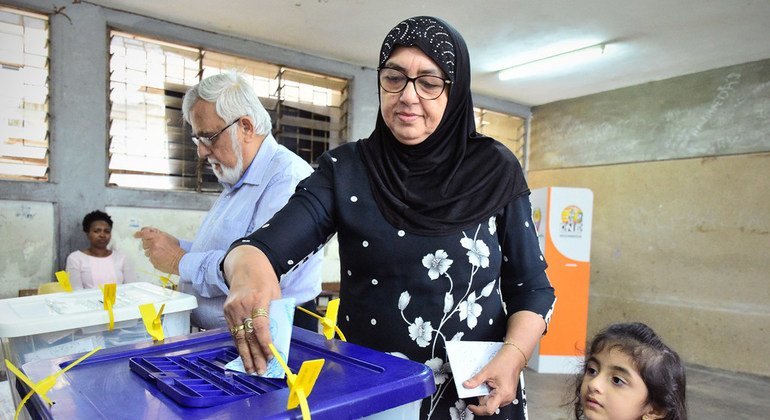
x=253 y=285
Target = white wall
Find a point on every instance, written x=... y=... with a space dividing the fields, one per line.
x=127 y=220
x=26 y=247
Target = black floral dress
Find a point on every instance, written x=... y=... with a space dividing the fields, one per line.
x=409 y=294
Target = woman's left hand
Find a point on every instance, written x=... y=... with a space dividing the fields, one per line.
x=501 y=374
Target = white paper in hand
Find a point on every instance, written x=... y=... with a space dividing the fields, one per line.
x=466 y=359
x=281 y=322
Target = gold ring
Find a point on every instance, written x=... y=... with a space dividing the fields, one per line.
x=248 y=325
x=234 y=330
x=258 y=312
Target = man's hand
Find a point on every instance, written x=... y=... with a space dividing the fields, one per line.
x=161 y=248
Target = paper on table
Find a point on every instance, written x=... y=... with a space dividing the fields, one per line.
x=467 y=358
x=281 y=321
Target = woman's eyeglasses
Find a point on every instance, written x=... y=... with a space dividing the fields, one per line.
x=426 y=86
x=209 y=141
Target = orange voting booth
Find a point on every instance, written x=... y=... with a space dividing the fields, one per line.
x=562 y=218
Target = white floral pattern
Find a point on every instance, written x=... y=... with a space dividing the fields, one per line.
x=488 y=289
x=403 y=301
x=464 y=303
x=470 y=310
x=437 y=264
x=440 y=370
x=421 y=332
x=478 y=252
x=449 y=301
x=460 y=411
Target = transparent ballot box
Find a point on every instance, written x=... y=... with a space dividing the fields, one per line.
x=40 y=327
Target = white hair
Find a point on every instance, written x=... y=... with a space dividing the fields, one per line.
x=233 y=97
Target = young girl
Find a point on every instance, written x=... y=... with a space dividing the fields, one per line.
x=630 y=374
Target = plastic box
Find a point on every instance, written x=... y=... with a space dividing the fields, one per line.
x=59 y=324
x=184 y=378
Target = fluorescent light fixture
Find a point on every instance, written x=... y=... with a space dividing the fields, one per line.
x=553 y=63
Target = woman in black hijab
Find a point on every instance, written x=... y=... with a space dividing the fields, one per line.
x=433 y=223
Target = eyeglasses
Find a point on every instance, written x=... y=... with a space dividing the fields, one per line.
x=426 y=86
x=209 y=141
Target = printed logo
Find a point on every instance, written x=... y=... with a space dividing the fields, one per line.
x=537 y=216
x=571 y=222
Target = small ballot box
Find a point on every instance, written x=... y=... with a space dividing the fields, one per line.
x=184 y=378
x=52 y=325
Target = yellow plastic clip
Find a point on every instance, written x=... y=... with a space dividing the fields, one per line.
x=109 y=290
x=328 y=322
x=64 y=279
x=44 y=385
x=152 y=320
x=166 y=282
x=301 y=384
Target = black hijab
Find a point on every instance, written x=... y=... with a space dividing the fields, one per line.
x=456 y=177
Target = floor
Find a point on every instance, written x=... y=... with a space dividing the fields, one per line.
x=711 y=394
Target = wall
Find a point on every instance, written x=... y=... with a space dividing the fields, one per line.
x=26 y=248
x=127 y=220
x=681 y=235
x=717 y=112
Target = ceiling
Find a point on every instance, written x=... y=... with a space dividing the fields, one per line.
x=651 y=39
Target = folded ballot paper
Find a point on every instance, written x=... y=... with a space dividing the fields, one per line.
x=466 y=359
x=281 y=322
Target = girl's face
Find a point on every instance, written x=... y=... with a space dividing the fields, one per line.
x=410 y=118
x=612 y=388
x=99 y=234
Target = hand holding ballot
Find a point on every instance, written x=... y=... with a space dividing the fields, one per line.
x=252 y=289
x=281 y=315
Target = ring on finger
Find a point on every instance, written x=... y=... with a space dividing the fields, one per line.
x=234 y=330
x=257 y=312
x=248 y=325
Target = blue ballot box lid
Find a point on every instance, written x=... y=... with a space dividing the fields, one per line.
x=184 y=378
x=199 y=379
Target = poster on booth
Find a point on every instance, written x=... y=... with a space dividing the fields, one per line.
x=562 y=218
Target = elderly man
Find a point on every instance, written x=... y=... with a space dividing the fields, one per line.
x=231 y=129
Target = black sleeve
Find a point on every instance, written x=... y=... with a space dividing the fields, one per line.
x=524 y=284
x=302 y=226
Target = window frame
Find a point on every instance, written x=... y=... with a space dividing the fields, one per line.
x=274 y=103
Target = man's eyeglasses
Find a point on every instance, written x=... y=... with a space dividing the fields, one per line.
x=427 y=87
x=209 y=141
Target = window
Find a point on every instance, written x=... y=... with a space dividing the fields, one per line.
x=23 y=95
x=508 y=129
x=150 y=145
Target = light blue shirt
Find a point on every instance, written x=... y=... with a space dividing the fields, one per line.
x=264 y=188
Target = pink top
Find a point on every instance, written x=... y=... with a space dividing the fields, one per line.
x=88 y=272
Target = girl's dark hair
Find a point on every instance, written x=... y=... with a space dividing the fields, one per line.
x=94 y=216
x=659 y=366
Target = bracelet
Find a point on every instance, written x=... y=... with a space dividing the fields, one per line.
x=510 y=343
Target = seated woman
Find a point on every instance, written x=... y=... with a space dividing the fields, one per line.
x=97 y=265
